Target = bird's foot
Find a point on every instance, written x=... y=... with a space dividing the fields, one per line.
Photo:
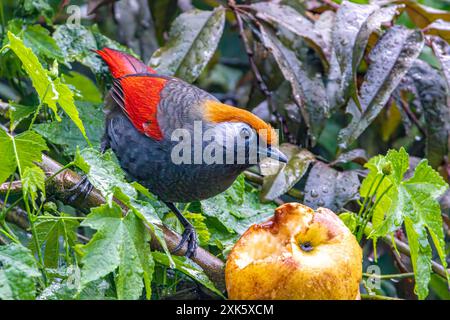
x=80 y=191
x=190 y=236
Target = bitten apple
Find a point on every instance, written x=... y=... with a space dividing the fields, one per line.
x=297 y=254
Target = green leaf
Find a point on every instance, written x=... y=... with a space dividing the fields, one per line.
x=329 y=188
x=51 y=92
x=193 y=39
x=307 y=86
x=383 y=76
x=285 y=176
x=65 y=133
x=105 y=174
x=37 y=8
x=439 y=28
x=18 y=112
x=78 y=43
x=237 y=213
x=189 y=268
x=18 y=273
x=121 y=245
x=83 y=87
x=23 y=150
x=33 y=179
x=413 y=202
x=49 y=233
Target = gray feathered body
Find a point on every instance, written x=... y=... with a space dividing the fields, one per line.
x=149 y=162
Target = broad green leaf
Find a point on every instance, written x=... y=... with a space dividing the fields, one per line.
x=33 y=179
x=18 y=273
x=237 y=216
x=40 y=78
x=121 y=245
x=189 y=268
x=65 y=133
x=193 y=39
x=412 y=202
x=285 y=176
x=51 y=92
x=18 y=112
x=307 y=86
x=442 y=51
x=52 y=235
x=37 y=8
x=19 y=151
x=287 y=17
x=78 y=43
x=105 y=174
x=85 y=90
x=329 y=188
x=198 y=222
x=390 y=60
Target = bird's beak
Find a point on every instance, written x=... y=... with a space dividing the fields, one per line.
x=273 y=153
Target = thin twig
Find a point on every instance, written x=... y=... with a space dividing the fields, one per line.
x=389 y=276
x=412 y=116
x=365 y=296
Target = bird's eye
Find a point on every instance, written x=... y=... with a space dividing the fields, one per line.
x=245 y=133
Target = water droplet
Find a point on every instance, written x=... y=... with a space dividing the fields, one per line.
x=314 y=193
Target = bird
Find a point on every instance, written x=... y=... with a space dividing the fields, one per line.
x=146 y=110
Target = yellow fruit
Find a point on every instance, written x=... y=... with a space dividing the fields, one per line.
x=298 y=254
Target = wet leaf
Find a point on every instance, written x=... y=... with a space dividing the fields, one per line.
x=442 y=51
x=329 y=188
x=18 y=273
x=237 y=208
x=33 y=179
x=65 y=133
x=189 y=268
x=193 y=39
x=285 y=176
x=20 y=151
x=412 y=201
x=390 y=60
x=431 y=89
x=307 y=86
x=285 y=16
x=356 y=155
x=120 y=243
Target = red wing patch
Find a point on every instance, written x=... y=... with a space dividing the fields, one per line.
x=121 y=64
x=141 y=95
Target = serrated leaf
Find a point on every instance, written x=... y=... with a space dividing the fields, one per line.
x=189 y=268
x=85 y=90
x=413 y=202
x=390 y=60
x=51 y=92
x=120 y=244
x=105 y=174
x=307 y=88
x=51 y=233
x=286 y=176
x=65 y=133
x=236 y=217
x=193 y=39
x=285 y=16
x=329 y=188
x=33 y=179
x=18 y=273
x=21 y=150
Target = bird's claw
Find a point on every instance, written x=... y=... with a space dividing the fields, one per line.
x=190 y=236
x=81 y=190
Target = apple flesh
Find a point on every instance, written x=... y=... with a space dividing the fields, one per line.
x=297 y=254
